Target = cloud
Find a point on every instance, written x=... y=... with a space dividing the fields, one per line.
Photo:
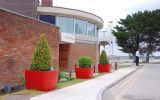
x=147 y=5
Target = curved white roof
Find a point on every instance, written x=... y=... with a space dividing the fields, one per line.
x=60 y=11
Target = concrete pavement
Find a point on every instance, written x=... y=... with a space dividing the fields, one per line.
x=88 y=90
x=144 y=84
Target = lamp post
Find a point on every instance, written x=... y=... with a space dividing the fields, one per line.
x=109 y=31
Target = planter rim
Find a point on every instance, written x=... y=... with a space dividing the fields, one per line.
x=41 y=70
x=105 y=64
x=84 y=67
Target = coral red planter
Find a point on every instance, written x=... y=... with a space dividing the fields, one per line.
x=104 y=68
x=41 y=80
x=84 y=72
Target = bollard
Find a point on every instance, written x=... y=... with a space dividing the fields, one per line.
x=94 y=69
x=70 y=74
x=116 y=66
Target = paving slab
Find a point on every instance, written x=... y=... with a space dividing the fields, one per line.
x=88 y=90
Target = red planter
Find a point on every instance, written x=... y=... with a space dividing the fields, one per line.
x=84 y=72
x=41 y=80
x=104 y=68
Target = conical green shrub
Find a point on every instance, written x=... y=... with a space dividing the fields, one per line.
x=103 y=58
x=41 y=59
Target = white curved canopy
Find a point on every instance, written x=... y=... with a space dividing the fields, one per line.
x=59 y=11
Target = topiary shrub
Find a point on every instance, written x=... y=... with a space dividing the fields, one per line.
x=84 y=62
x=103 y=58
x=41 y=59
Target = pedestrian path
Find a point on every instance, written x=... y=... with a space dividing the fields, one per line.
x=88 y=90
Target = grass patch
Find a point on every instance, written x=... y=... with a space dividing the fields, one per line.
x=100 y=74
x=124 y=66
x=75 y=81
x=69 y=83
x=31 y=92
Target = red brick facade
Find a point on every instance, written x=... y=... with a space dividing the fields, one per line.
x=69 y=54
x=18 y=38
x=80 y=49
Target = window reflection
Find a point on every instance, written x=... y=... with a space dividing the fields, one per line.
x=91 y=29
x=66 y=24
x=77 y=26
x=80 y=27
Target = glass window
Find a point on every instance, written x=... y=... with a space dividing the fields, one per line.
x=66 y=24
x=48 y=18
x=80 y=27
x=96 y=31
x=91 y=29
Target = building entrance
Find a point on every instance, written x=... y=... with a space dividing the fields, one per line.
x=63 y=56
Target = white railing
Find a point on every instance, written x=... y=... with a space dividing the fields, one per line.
x=104 y=36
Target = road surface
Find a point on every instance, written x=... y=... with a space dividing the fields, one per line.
x=144 y=84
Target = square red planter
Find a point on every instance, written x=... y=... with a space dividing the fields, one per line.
x=104 y=68
x=84 y=72
x=41 y=80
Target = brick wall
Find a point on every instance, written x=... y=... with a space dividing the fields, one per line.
x=77 y=50
x=18 y=38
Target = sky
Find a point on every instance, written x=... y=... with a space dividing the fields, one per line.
x=110 y=10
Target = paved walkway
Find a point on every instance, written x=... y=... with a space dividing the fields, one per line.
x=88 y=90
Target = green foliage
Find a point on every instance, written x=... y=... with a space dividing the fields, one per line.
x=22 y=80
x=84 y=62
x=126 y=38
x=103 y=58
x=138 y=29
x=41 y=59
x=64 y=76
x=61 y=76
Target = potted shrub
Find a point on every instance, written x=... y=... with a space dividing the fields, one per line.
x=104 y=65
x=84 y=69
x=41 y=75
